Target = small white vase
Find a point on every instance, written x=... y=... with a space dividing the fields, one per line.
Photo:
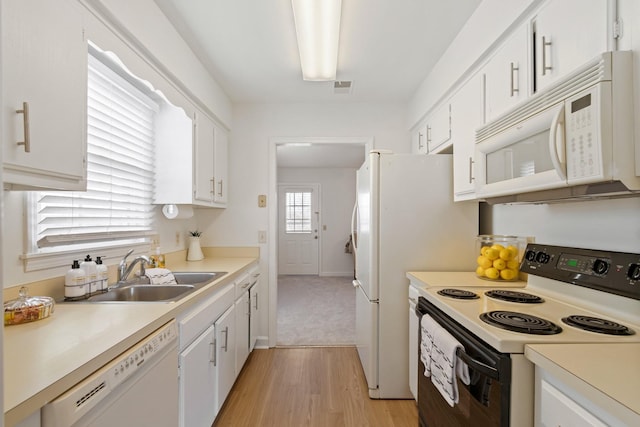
x=195 y=251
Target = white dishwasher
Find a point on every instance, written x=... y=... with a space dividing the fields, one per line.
x=139 y=387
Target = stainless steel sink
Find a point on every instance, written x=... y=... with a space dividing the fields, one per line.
x=142 y=293
x=139 y=290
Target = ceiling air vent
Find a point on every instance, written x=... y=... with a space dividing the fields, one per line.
x=342 y=87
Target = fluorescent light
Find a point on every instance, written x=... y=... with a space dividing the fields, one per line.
x=318 y=30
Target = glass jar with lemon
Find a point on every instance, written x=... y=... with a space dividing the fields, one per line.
x=499 y=256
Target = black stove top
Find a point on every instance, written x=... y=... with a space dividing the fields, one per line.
x=596 y=324
x=458 y=293
x=520 y=322
x=514 y=296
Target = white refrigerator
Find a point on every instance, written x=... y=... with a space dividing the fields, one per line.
x=404 y=220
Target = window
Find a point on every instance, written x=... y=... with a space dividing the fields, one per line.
x=298 y=212
x=117 y=206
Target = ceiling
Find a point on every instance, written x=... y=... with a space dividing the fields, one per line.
x=387 y=47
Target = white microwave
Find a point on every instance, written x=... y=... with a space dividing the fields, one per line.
x=577 y=132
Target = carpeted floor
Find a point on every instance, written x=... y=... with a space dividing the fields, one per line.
x=315 y=311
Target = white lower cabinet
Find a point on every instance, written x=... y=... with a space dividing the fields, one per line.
x=225 y=356
x=254 y=305
x=198 y=381
x=242 y=332
x=207 y=357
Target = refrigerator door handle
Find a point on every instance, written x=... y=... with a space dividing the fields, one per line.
x=356 y=284
x=354 y=231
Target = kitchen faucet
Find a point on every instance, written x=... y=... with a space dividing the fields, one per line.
x=124 y=271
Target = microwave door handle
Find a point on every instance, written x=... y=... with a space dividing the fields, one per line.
x=555 y=143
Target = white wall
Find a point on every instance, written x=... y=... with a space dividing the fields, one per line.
x=253 y=126
x=337 y=196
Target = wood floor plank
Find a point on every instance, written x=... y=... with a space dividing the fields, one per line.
x=310 y=386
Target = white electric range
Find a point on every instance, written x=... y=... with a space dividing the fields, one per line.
x=567 y=290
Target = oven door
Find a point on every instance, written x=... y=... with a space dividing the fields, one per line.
x=486 y=400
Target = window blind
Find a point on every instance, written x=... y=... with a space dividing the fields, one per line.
x=117 y=203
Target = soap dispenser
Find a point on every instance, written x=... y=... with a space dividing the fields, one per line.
x=102 y=275
x=90 y=268
x=75 y=282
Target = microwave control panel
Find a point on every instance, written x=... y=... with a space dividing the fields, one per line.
x=583 y=145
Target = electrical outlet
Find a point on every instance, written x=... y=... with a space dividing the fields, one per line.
x=262 y=236
x=262 y=201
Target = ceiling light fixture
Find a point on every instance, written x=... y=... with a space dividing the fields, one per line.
x=317 y=29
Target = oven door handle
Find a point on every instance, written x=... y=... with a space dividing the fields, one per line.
x=478 y=366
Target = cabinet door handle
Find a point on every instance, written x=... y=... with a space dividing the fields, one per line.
x=25 y=116
x=428 y=136
x=212 y=358
x=471 y=178
x=545 y=67
x=220 y=192
x=213 y=186
x=256 y=299
x=420 y=144
x=226 y=338
x=514 y=89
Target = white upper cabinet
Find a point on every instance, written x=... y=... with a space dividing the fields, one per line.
x=203 y=160
x=44 y=81
x=191 y=159
x=438 y=131
x=466 y=117
x=211 y=163
x=506 y=73
x=566 y=34
x=220 y=165
x=419 y=140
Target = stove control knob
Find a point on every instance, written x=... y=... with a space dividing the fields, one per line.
x=542 y=258
x=530 y=255
x=634 y=272
x=600 y=266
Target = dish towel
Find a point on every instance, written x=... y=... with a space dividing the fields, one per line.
x=160 y=276
x=444 y=365
x=427 y=326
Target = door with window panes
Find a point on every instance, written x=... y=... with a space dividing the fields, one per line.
x=298 y=237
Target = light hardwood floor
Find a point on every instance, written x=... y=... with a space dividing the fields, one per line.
x=309 y=386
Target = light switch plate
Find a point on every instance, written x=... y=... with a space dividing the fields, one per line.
x=262 y=201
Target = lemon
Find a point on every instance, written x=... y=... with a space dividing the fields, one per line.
x=500 y=264
x=507 y=254
x=492 y=253
x=479 y=271
x=497 y=246
x=513 y=249
x=492 y=273
x=484 y=249
x=513 y=264
x=508 y=274
x=484 y=262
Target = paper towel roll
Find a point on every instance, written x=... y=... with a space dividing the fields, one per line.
x=175 y=212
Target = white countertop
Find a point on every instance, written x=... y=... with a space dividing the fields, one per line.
x=433 y=279
x=45 y=358
x=606 y=374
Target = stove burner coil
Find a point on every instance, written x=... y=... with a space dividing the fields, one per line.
x=514 y=296
x=457 y=293
x=520 y=322
x=595 y=324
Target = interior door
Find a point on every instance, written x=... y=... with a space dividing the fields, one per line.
x=298 y=238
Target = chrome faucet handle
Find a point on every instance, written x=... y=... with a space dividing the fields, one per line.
x=123 y=265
